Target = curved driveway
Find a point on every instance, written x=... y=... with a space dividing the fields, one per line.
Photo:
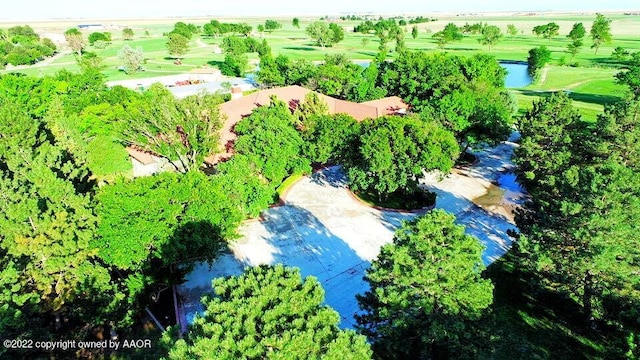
x=323 y=231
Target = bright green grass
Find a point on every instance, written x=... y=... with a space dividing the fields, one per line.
x=589 y=88
x=287 y=183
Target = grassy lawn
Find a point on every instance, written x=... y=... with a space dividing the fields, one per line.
x=589 y=88
x=287 y=183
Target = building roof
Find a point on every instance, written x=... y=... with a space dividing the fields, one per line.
x=145 y=158
x=237 y=109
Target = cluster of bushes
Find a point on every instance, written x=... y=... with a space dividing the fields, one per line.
x=20 y=45
x=216 y=28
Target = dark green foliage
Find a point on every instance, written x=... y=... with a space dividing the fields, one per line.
x=268 y=312
x=20 y=45
x=538 y=58
x=325 y=34
x=414 y=31
x=577 y=32
x=330 y=138
x=296 y=22
x=392 y=151
x=234 y=64
x=271 y=25
x=336 y=76
x=631 y=76
x=473 y=29
x=245 y=188
x=427 y=290
x=186 y=30
x=216 y=28
x=466 y=95
x=269 y=139
x=619 y=53
x=47 y=261
x=579 y=230
x=547 y=31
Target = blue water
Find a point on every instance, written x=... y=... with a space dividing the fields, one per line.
x=517 y=75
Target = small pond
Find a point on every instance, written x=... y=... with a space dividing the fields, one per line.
x=517 y=74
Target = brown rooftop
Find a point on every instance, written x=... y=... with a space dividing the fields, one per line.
x=236 y=109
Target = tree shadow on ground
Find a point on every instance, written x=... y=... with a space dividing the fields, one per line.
x=582 y=97
x=215 y=63
x=292 y=236
x=529 y=322
x=300 y=48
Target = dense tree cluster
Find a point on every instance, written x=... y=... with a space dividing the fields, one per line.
x=548 y=31
x=391 y=153
x=466 y=95
x=20 y=45
x=579 y=231
x=216 y=28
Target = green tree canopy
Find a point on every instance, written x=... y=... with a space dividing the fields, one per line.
x=295 y=22
x=578 y=229
x=127 y=34
x=466 y=95
x=600 y=31
x=170 y=217
x=426 y=290
x=631 y=76
x=491 y=34
x=577 y=32
x=269 y=139
x=268 y=312
x=271 y=25
x=321 y=33
x=182 y=131
x=449 y=34
x=392 y=152
x=47 y=223
x=177 y=44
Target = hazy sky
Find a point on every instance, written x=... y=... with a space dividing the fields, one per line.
x=44 y=9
